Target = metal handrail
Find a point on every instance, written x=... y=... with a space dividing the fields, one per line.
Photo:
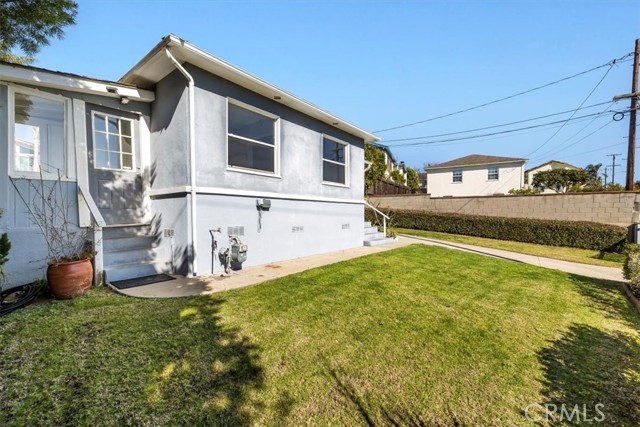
x=384 y=217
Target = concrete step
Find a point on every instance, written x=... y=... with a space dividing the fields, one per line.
x=133 y=270
x=367 y=224
x=374 y=236
x=377 y=242
x=119 y=243
x=128 y=255
x=370 y=230
x=126 y=231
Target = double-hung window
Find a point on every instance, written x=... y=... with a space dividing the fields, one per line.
x=112 y=142
x=252 y=139
x=492 y=174
x=457 y=176
x=39 y=143
x=334 y=161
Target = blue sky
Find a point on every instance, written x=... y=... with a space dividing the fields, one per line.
x=379 y=64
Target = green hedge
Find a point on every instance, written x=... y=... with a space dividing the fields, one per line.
x=574 y=234
x=632 y=268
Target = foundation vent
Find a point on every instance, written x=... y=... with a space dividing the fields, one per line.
x=346 y=226
x=297 y=229
x=237 y=230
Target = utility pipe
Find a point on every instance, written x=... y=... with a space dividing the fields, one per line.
x=193 y=265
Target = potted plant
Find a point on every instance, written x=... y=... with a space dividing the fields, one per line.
x=69 y=271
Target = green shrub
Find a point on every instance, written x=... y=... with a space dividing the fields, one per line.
x=573 y=234
x=632 y=267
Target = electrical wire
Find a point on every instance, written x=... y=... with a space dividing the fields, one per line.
x=500 y=132
x=580 y=140
x=608 y=64
x=496 y=126
x=579 y=106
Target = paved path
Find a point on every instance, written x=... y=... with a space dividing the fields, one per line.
x=186 y=286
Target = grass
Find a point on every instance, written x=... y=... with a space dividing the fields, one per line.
x=416 y=336
x=583 y=256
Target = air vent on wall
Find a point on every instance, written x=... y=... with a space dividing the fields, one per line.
x=346 y=226
x=237 y=230
x=297 y=229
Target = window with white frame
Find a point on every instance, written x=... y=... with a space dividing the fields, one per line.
x=492 y=174
x=38 y=134
x=457 y=176
x=334 y=161
x=252 y=139
x=112 y=142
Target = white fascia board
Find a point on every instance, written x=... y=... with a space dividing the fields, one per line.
x=28 y=76
x=186 y=52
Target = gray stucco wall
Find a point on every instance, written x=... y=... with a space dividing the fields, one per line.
x=172 y=213
x=275 y=240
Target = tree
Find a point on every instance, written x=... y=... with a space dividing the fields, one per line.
x=378 y=166
x=560 y=180
x=595 y=182
x=29 y=24
x=413 y=180
x=397 y=176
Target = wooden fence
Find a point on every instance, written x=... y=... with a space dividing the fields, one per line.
x=387 y=188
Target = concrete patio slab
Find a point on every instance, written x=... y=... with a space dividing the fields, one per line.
x=190 y=286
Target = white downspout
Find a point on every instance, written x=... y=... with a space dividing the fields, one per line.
x=193 y=265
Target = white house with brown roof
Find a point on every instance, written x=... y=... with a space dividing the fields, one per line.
x=476 y=175
x=550 y=165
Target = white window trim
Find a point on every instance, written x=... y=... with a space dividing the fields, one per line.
x=276 y=142
x=70 y=172
x=497 y=173
x=347 y=162
x=461 y=176
x=133 y=142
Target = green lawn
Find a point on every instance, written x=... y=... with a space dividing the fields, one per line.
x=583 y=256
x=416 y=336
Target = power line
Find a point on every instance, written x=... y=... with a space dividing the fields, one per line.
x=499 y=133
x=552 y=152
x=609 y=64
x=496 y=126
x=579 y=106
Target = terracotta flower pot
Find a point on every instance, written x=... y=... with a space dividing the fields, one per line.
x=70 y=279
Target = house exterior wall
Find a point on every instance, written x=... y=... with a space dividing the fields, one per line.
x=28 y=255
x=475 y=181
x=227 y=198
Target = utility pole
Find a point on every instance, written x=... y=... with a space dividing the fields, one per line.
x=606 y=175
x=631 y=153
x=613 y=166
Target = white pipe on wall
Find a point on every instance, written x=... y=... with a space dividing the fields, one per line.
x=193 y=265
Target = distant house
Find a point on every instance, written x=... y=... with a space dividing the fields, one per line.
x=550 y=165
x=476 y=175
x=422 y=178
x=392 y=163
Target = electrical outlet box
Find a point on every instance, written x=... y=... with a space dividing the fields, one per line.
x=264 y=204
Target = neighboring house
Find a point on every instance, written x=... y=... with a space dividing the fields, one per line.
x=550 y=165
x=183 y=144
x=476 y=175
x=391 y=163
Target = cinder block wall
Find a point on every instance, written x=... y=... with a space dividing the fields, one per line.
x=608 y=208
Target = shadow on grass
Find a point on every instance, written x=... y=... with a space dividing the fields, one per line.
x=124 y=362
x=587 y=366
x=607 y=297
x=398 y=415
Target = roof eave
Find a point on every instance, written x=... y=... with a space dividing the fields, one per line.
x=523 y=161
x=191 y=54
x=25 y=75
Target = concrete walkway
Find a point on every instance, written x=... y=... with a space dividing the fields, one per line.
x=186 y=286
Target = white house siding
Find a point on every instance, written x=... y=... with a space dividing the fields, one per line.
x=546 y=167
x=475 y=180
